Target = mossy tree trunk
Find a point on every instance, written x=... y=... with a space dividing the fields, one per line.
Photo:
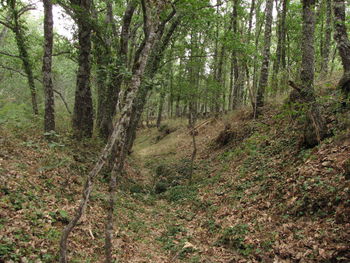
x=314 y=126
x=18 y=30
x=343 y=44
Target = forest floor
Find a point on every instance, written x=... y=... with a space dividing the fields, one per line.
x=255 y=195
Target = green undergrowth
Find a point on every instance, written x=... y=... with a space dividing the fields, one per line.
x=259 y=198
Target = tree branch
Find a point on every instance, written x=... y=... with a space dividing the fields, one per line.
x=37 y=79
x=6 y=24
x=63 y=100
x=9 y=55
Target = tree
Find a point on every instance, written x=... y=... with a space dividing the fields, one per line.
x=314 y=127
x=83 y=108
x=343 y=44
x=16 y=10
x=117 y=141
x=327 y=42
x=49 y=116
x=264 y=74
x=109 y=97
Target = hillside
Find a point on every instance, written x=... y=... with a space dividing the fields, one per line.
x=255 y=195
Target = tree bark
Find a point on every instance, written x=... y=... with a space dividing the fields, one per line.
x=118 y=136
x=264 y=73
x=49 y=116
x=327 y=42
x=108 y=107
x=160 y=107
x=280 y=60
x=23 y=53
x=152 y=67
x=314 y=127
x=343 y=44
x=83 y=108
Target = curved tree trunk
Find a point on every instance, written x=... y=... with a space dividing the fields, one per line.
x=49 y=116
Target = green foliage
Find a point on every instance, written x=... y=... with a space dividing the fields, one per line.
x=234 y=238
x=181 y=193
x=16 y=115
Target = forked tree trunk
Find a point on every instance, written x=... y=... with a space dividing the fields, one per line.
x=118 y=136
x=49 y=116
x=264 y=73
x=343 y=44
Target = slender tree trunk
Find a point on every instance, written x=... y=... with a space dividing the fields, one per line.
x=160 y=107
x=83 y=108
x=327 y=41
x=109 y=104
x=23 y=53
x=3 y=34
x=103 y=55
x=258 y=29
x=235 y=61
x=118 y=136
x=49 y=117
x=343 y=44
x=264 y=73
x=152 y=67
x=280 y=61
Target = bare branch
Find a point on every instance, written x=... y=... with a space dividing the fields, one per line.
x=26 y=9
x=61 y=53
x=14 y=70
x=9 y=55
x=63 y=100
x=7 y=25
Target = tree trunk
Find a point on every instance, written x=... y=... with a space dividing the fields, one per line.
x=3 y=34
x=160 y=107
x=102 y=53
x=264 y=73
x=343 y=44
x=314 y=127
x=280 y=60
x=83 y=108
x=49 y=116
x=23 y=53
x=327 y=41
x=118 y=136
x=108 y=107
